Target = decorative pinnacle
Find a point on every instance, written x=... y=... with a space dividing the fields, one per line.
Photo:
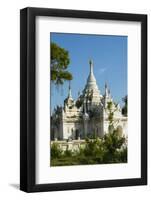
x=91 y=66
x=106 y=89
x=90 y=61
x=69 y=92
x=105 y=85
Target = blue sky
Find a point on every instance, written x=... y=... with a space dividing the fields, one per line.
x=109 y=55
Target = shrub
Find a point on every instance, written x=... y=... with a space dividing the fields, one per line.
x=56 y=151
x=109 y=149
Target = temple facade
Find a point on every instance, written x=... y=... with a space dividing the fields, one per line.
x=88 y=115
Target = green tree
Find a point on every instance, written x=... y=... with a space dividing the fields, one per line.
x=59 y=64
x=56 y=151
x=114 y=148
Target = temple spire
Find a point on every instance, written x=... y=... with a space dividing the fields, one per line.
x=69 y=91
x=91 y=66
x=106 y=89
x=91 y=84
x=105 y=85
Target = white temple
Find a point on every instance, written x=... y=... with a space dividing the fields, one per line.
x=88 y=115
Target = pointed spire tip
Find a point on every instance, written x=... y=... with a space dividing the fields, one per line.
x=69 y=91
x=91 y=66
x=91 y=62
x=105 y=84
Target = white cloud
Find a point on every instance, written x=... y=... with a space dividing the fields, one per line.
x=102 y=70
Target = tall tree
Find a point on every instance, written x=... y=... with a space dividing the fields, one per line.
x=59 y=64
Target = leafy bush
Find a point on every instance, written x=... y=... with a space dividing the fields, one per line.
x=56 y=151
x=109 y=149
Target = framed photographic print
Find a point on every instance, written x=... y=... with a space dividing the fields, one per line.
x=83 y=99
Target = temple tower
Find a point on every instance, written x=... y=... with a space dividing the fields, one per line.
x=91 y=91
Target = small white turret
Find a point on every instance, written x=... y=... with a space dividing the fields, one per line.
x=107 y=95
x=68 y=102
x=69 y=92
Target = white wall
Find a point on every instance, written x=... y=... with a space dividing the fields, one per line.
x=9 y=99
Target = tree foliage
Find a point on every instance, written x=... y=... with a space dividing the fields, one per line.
x=56 y=151
x=59 y=64
x=111 y=148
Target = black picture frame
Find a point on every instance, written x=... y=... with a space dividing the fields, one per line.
x=28 y=99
